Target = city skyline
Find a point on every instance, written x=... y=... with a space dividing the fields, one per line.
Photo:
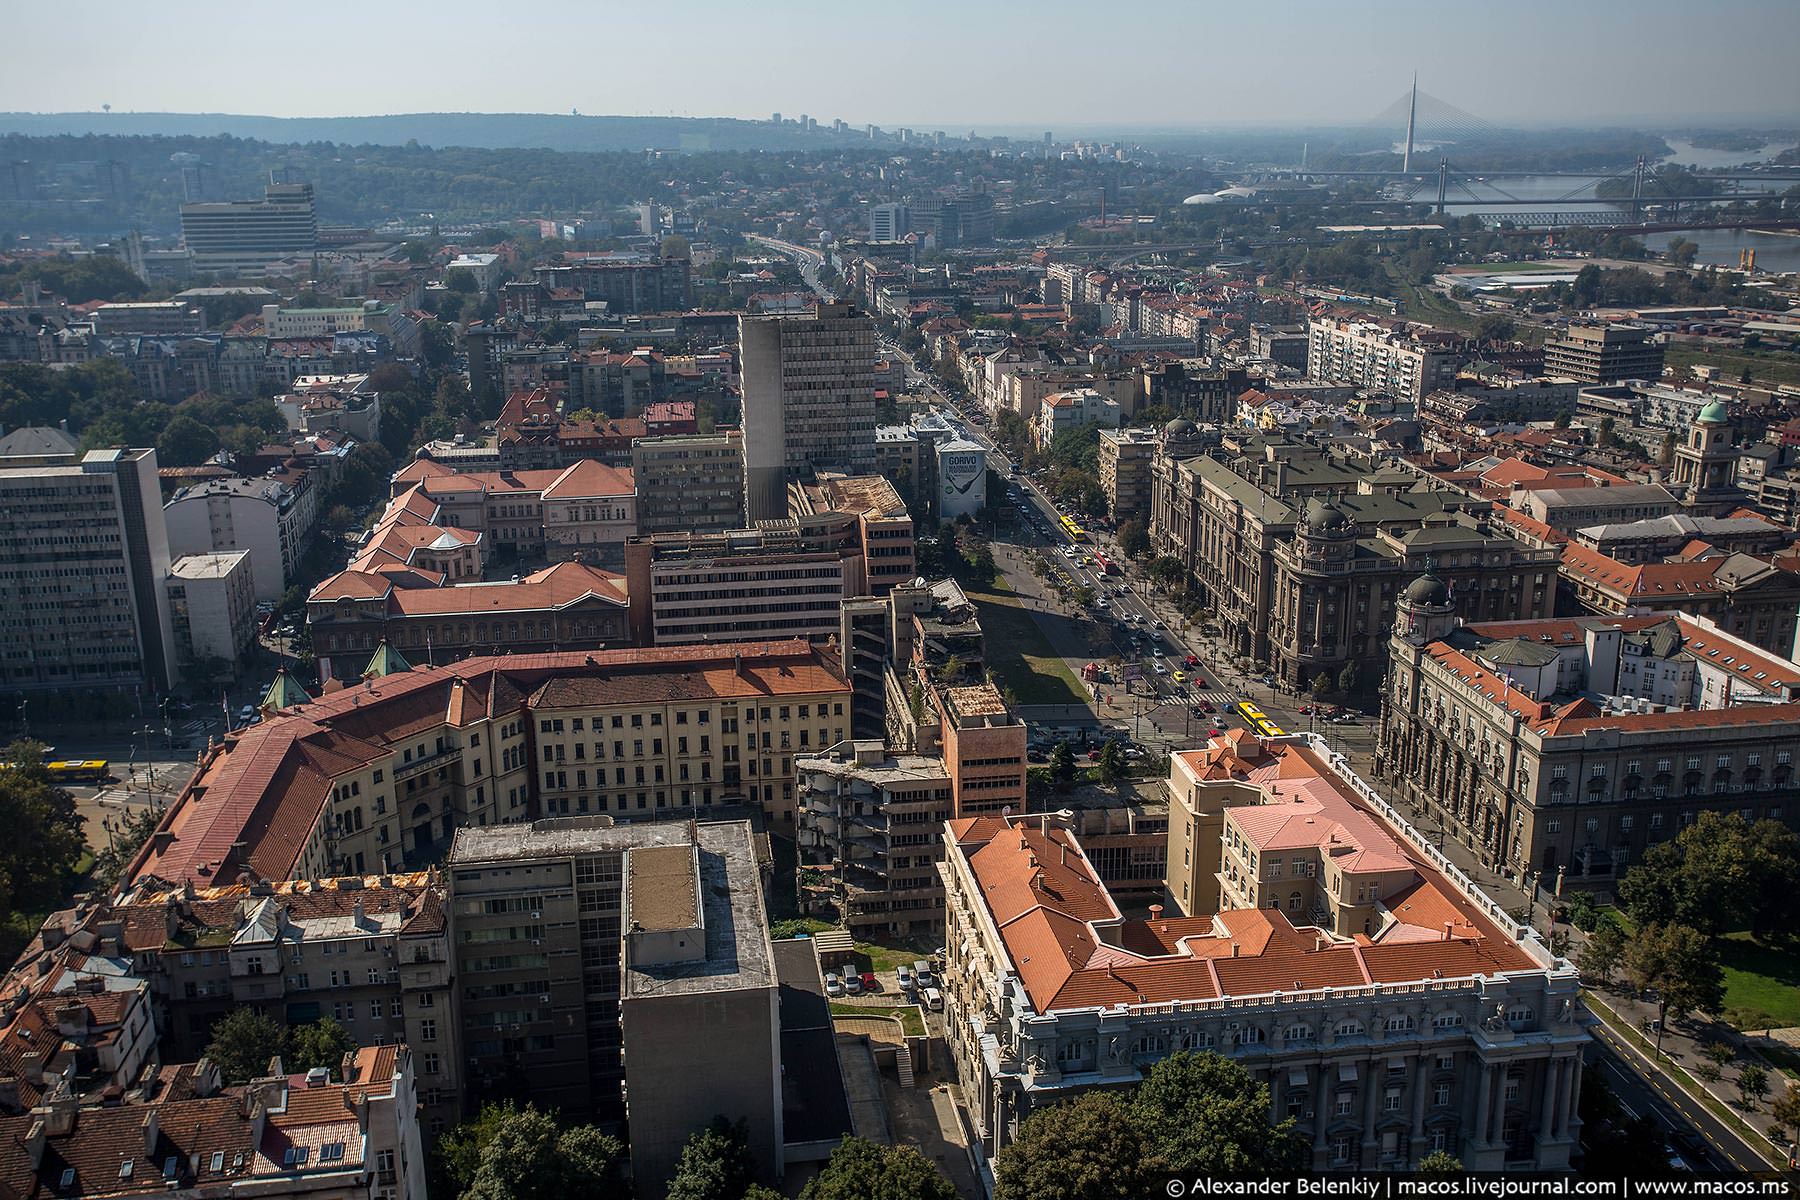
x=1317 y=64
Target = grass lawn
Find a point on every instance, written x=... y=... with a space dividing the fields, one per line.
x=1760 y=979
x=1769 y=367
x=911 y=1019
x=1022 y=656
x=886 y=958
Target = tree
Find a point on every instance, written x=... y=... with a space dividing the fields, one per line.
x=320 y=1044
x=715 y=1164
x=1786 y=1109
x=1605 y=946
x=1112 y=763
x=1614 y=1143
x=462 y=281
x=1321 y=684
x=1440 y=1164
x=1681 y=964
x=1089 y=1148
x=1346 y=680
x=859 y=1169
x=1494 y=327
x=676 y=246
x=457 y=1154
x=185 y=442
x=243 y=1042
x=1062 y=763
x=1719 y=1052
x=1720 y=873
x=1134 y=538
x=1202 y=1113
x=44 y=835
x=1753 y=1084
x=527 y=1157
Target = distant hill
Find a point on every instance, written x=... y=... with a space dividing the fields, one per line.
x=534 y=131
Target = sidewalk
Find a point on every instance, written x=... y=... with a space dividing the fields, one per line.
x=1682 y=1057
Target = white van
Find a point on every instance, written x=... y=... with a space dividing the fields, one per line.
x=934 y=999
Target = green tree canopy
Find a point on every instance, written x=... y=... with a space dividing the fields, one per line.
x=243 y=1042
x=1204 y=1113
x=1681 y=964
x=1440 y=1165
x=528 y=1157
x=1089 y=1148
x=861 y=1170
x=1134 y=537
x=715 y=1164
x=185 y=442
x=44 y=834
x=1721 y=873
x=320 y=1044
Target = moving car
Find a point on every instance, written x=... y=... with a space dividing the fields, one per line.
x=1181 y=677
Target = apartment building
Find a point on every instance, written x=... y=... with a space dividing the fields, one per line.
x=241 y=237
x=1125 y=457
x=148 y=316
x=1446 y=1027
x=212 y=610
x=272 y=520
x=1599 y=352
x=1065 y=412
x=863 y=512
x=84 y=556
x=689 y=483
x=889 y=222
x=809 y=400
x=380 y=776
x=622 y=972
x=1560 y=750
x=1375 y=358
x=747 y=583
x=1747 y=596
x=182 y=1133
x=569 y=606
x=628 y=283
x=871 y=821
x=1301 y=550
x=582 y=512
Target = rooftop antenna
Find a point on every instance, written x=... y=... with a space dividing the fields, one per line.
x=1412 y=116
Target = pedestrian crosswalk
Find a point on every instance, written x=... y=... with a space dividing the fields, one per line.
x=1219 y=700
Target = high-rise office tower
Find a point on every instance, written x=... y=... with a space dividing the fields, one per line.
x=889 y=222
x=809 y=401
x=245 y=235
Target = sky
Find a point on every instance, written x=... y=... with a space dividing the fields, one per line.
x=982 y=64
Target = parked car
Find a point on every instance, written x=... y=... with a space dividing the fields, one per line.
x=905 y=974
x=934 y=999
x=833 y=985
x=853 y=984
x=870 y=983
x=922 y=972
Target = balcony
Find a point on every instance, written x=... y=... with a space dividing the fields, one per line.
x=419 y=765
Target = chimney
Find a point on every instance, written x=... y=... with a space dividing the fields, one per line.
x=59 y=1111
x=1234 y=949
x=206 y=1078
x=34 y=1143
x=1448 y=926
x=151 y=1132
x=1156 y=912
x=1063 y=852
x=356 y=913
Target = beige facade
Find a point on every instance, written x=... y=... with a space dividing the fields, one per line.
x=212 y=609
x=1447 y=1027
x=690 y=483
x=1559 y=751
x=1125 y=456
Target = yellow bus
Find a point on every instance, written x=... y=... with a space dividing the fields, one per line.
x=1258 y=723
x=1076 y=533
x=90 y=770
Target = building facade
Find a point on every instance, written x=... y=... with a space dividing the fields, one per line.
x=86 y=558
x=1601 y=353
x=1125 y=457
x=689 y=483
x=622 y=972
x=243 y=236
x=212 y=610
x=809 y=400
x=1448 y=1028
x=1559 y=751
x=1366 y=355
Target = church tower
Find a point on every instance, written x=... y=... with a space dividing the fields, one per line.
x=1706 y=464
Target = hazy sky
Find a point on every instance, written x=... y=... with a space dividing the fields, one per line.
x=933 y=63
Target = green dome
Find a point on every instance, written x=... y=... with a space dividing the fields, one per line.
x=1715 y=413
